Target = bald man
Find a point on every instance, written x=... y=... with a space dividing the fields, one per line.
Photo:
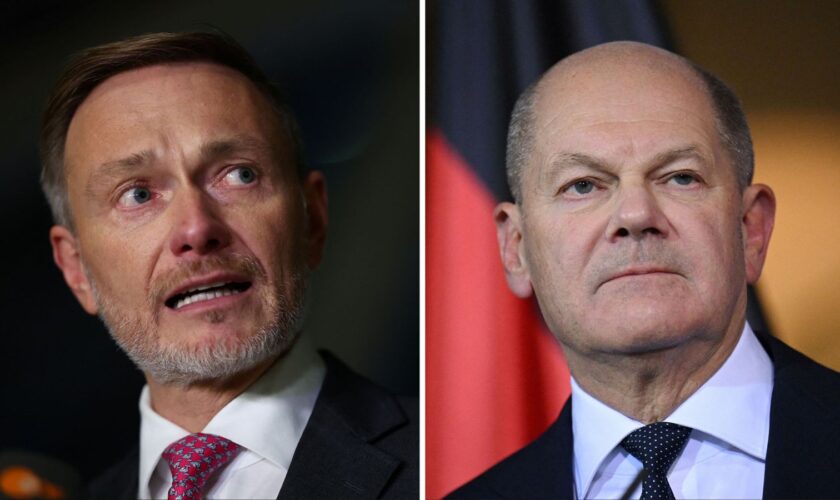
x=636 y=224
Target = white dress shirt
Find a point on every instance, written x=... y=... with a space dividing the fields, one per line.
x=267 y=421
x=725 y=453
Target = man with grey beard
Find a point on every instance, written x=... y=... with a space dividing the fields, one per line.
x=187 y=220
x=637 y=226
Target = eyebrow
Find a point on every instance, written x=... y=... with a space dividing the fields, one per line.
x=684 y=153
x=118 y=168
x=208 y=152
x=568 y=160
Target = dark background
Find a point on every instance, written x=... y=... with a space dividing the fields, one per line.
x=352 y=71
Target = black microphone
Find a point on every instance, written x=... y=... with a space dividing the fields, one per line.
x=30 y=475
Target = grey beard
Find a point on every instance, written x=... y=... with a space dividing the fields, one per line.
x=173 y=365
x=169 y=365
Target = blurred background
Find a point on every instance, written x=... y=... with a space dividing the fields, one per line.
x=352 y=72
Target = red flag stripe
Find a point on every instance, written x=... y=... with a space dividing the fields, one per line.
x=495 y=379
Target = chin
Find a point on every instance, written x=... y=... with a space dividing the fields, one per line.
x=647 y=341
x=210 y=351
x=645 y=326
x=213 y=358
x=216 y=339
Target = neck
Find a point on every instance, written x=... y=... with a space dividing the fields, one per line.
x=649 y=386
x=193 y=406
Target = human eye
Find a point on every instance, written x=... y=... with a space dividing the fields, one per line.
x=135 y=196
x=683 y=179
x=579 y=188
x=240 y=176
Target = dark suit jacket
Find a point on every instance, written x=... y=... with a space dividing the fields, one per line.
x=360 y=442
x=803 y=454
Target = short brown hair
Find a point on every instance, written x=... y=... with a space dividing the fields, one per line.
x=91 y=67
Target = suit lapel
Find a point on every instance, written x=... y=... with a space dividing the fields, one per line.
x=557 y=449
x=336 y=456
x=543 y=469
x=120 y=482
x=802 y=460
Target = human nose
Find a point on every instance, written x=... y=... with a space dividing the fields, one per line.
x=637 y=214
x=197 y=228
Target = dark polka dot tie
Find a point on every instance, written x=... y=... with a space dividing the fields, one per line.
x=193 y=459
x=657 y=446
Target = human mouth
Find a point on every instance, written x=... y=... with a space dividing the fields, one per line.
x=639 y=272
x=206 y=290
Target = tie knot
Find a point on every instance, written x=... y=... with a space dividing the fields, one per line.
x=193 y=459
x=657 y=445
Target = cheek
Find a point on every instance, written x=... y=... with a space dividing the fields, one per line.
x=716 y=249
x=559 y=255
x=122 y=276
x=273 y=234
x=123 y=261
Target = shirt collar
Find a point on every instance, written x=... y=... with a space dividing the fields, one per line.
x=596 y=429
x=268 y=418
x=733 y=405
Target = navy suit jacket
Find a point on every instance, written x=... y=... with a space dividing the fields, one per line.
x=803 y=453
x=360 y=442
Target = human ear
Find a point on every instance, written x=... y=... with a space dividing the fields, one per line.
x=509 y=234
x=315 y=194
x=757 y=221
x=66 y=256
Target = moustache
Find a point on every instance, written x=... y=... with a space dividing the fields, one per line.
x=645 y=259
x=244 y=265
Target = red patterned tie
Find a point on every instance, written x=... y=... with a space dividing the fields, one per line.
x=193 y=459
